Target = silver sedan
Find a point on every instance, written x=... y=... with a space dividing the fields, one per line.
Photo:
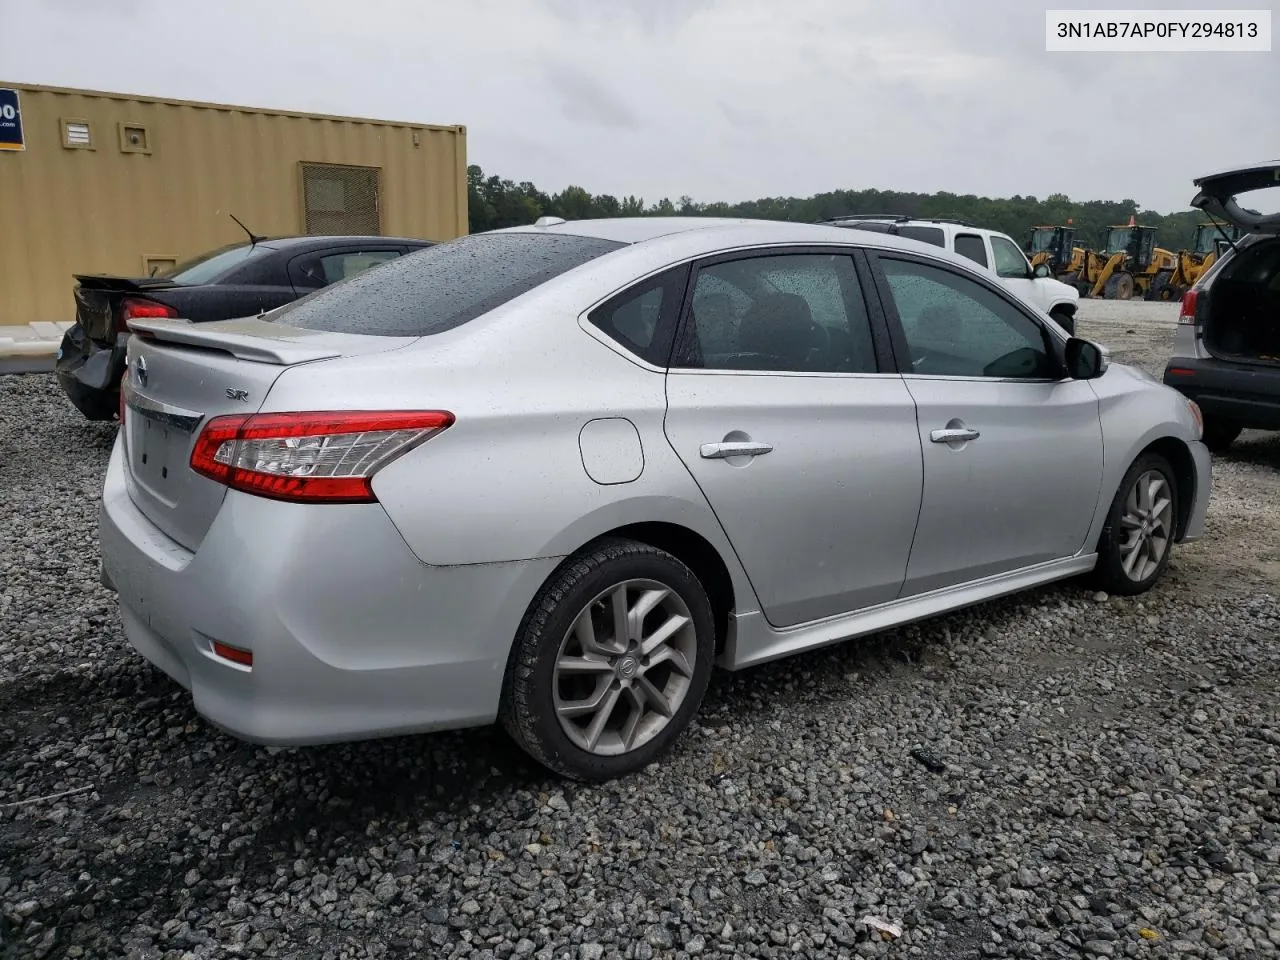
x=554 y=475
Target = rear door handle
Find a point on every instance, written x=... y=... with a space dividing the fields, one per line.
x=734 y=448
x=954 y=435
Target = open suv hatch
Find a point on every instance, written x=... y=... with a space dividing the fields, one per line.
x=1226 y=352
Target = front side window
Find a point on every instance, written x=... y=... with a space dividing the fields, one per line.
x=956 y=327
x=970 y=245
x=799 y=313
x=339 y=266
x=443 y=286
x=1009 y=260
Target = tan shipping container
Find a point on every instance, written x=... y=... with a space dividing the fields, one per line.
x=121 y=184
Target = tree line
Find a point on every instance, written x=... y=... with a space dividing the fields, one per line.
x=494 y=202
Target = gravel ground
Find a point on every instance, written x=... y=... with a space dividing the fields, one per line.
x=1099 y=776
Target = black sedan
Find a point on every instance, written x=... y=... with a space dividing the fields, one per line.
x=237 y=281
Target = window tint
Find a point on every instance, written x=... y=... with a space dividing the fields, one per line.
x=640 y=319
x=955 y=327
x=1009 y=259
x=931 y=235
x=442 y=287
x=798 y=312
x=970 y=245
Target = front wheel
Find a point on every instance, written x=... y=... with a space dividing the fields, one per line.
x=1138 y=536
x=611 y=662
x=1065 y=319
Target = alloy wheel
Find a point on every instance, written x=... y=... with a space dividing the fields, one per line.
x=1147 y=524
x=624 y=667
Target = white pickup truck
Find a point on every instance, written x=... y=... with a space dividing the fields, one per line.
x=989 y=248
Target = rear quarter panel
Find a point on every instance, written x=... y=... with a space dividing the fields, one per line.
x=507 y=482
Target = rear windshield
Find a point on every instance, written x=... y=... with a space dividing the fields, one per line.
x=442 y=287
x=210 y=266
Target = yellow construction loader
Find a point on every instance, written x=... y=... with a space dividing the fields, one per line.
x=1191 y=264
x=1052 y=246
x=1127 y=265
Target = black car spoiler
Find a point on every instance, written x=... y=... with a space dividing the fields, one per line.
x=102 y=281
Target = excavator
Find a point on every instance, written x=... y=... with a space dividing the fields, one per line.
x=1127 y=265
x=1191 y=264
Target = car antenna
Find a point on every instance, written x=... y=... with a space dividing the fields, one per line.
x=1225 y=235
x=253 y=238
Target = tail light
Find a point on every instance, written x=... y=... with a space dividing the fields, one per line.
x=134 y=308
x=1187 y=314
x=310 y=457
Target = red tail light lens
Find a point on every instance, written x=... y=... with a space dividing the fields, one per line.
x=134 y=308
x=1187 y=314
x=310 y=457
x=234 y=654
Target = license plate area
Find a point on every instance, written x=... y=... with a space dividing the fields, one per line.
x=152 y=452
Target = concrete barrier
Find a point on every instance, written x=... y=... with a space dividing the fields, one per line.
x=30 y=348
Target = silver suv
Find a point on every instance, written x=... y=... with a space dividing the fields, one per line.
x=992 y=250
x=1226 y=353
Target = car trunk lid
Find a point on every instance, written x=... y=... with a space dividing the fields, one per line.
x=1218 y=195
x=98 y=299
x=180 y=375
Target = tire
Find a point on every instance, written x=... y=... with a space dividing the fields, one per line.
x=1160 y=289
x=555 y=663
x=1128 y=532
x=1220 y=434
x=1065 y=319
x=1119 y=287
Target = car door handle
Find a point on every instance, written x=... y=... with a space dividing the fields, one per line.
x=954 y=435
x=734 y=448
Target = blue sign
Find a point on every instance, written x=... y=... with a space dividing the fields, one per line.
x=10 y=121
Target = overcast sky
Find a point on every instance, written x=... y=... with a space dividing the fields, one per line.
x=718 y=99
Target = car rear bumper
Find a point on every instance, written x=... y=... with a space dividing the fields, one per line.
x=90 y=374
x=352 y=636
x=1239 y=393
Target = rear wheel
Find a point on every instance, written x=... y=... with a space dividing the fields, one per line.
x=611 y=661
x=1220 y=434
x=1138 y=536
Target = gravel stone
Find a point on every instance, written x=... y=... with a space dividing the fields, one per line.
x=1110 y=768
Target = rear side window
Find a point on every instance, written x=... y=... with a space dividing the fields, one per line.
x=442 y=287
x=970 y=245
x=642 y=319
x=931 y=235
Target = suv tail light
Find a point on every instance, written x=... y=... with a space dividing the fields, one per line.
x=326 y=457
x=1187 y=314
x=132 y=308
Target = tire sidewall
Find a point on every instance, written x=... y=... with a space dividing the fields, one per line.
x=1117 y=579
x=543 y=640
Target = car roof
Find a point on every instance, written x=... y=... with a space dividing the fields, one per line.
x=725 y=232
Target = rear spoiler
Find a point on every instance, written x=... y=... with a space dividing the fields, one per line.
x=247 y=339
x=102 y=281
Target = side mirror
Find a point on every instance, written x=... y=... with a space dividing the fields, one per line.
x=1041 y=271
x=1085 y=359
